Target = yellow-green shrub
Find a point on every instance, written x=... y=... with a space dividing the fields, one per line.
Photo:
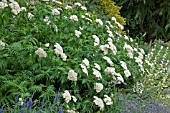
x=108 y=7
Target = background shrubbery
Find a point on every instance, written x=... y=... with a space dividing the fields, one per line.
x=42 y=45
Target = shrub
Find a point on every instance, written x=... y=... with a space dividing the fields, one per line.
x=50 y=45
x=147 y=16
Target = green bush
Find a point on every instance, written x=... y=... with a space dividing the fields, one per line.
x=51 y=45
x=147 y=16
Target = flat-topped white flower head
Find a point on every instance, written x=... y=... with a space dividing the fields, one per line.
x=104 y=48
x=55 y=12
x=108 y=60
x=83 y=8
x=127 y=73
x=119 y=78
x=142 y=51
x=47 y=44
x=98 y=87
x=128 y=47
x=110 y=33
x=138 y=60
x=97 y=66
x=126 y=37
x=72 y=75
x=74 y=98
x=130 y=54
x=123 y=64
x=96 y=40
x=112 y=47
x=110 y=70
x=98 y=102
x=57 y=2
x=84 y=69
x=41 y=53
x=113 y=19
x=2 y=44
x=30 y=15
x=74 y=18
x=58 y=49
x=66 y=95
x=77 y=33
x=107 y=100
x=140 y=55
x=3 y=4
x=97 y=73
x=63 y=56
x=77 y=4
x=86 y=62
x=99 y=21
x=68 y=7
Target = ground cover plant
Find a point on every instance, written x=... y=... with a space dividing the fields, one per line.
x=48 y=45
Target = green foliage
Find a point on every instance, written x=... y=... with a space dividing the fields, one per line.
x=32 y=62
x=147 y=16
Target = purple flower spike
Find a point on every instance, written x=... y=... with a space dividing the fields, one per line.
x=60 y=110
x=16 y=98
x=23 y=105
x=57 y=96
x=30 y=102
x=1 y=110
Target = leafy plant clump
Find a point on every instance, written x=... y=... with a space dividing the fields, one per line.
x=48 y=45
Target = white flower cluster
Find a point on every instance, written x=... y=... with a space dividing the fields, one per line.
x=140 y=58
x=83 y=8
x=110 y=46
x=74 y=18
x=97 y=66
x=99 y=102
x=47 y=20
x=119 y=25
x=77 y=4
x=30 y=16
x=107 y=100
x=55 y=12
x=57 y=2
x=104 y=48
x=98 y=87
x=116 y=76
x=83 y=66
x=77 y=33
x=97 y=73
x=126 y=71
x=41 y=53
x=15 y=7
x=129 y=49
x=96 y=40
x=59 y=50
x=108 y=60
x=2 y=44
x=99 y=21
x=3 y=4
x=72 y=75
x=68 y=7
x=67 y=96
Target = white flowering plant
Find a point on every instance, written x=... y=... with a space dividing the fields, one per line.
x=155 y=83
x=51 y=45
